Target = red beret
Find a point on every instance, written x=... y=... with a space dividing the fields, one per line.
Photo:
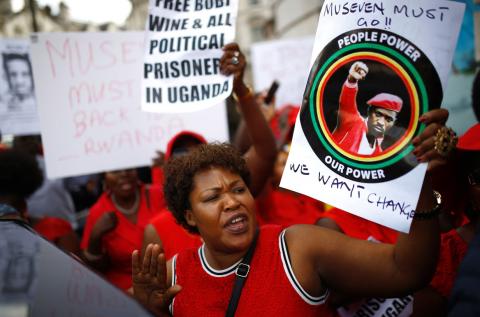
x=181 y=134
x=470 y=141
x=386 y=101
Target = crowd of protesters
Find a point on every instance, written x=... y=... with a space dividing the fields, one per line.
x=177 y=244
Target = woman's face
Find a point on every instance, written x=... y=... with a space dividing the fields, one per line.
x=122 y=183
x=222 y=209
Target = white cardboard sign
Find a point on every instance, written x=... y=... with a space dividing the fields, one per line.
x=18 y=109
x=286 y=61
x=183 y=47
x=340 y=153
x=88 y=92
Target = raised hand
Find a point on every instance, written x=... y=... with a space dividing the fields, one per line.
x=233 y=62
x=106 y=223
x=425 y=142
x=149 y=279
x=357 y=72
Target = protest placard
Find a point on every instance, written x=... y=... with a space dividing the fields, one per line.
x=88 y=92
x=269 y=64
x=183 y=47
x=18 y=110
x=376 y=67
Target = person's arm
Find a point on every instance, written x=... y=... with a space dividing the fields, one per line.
x=347 y=104
x=261 y=155
x=361 y=268
x=93 y=253
x=150 y=236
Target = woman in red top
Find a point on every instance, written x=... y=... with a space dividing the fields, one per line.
x=207 y=192
x=116 y=222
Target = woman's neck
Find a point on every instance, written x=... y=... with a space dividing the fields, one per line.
x=126 y=202
x=220 y=260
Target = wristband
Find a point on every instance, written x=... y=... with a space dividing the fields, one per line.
x=429 y=214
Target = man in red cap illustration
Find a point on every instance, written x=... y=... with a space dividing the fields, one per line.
x=355 y=133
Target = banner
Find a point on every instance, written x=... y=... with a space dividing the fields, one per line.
x=18 y=109
x=377 y=66
x=183 y=48
x=286 y=61
x=88 y=92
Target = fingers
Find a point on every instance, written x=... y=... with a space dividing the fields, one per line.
x=135 y=262
x=154 y=260
x=429 y=132
x=147 y=259
x=162 y=271
x=423 y=147
x=439 y=116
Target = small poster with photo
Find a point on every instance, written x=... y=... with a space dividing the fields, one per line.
x=18 y=109
x=376 y=68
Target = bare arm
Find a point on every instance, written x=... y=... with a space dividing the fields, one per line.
x=261 y=155
x=150 y=236
x=361 y=268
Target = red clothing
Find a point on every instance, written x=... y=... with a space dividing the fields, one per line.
x=452 y=251
x=356 y=227
x=127 y=236
x=287 y=208
x=270 y=289
x=351 y=127
x=174 y=237
x=53 y=228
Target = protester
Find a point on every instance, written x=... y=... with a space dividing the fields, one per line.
x=20 y=176
x=207 y=192
x=115 y=224
x=164 y=230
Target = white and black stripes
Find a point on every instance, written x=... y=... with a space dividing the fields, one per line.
x=174 y=280
x=312 y=300
x=211 y=271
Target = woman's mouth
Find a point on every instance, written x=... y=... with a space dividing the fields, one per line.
x=237 y=224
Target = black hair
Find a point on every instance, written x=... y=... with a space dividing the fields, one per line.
x=20 y=174
x=180 y=171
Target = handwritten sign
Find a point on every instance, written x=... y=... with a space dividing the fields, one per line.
x=268 y=64
x=88 y=90
x=376 y=67
x=18 y=109
x=181 y=70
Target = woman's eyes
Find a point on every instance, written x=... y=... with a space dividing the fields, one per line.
x=239 y=189
x=210 y=198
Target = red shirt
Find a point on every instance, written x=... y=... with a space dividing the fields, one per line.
x=53 y=228
x=127 y=236
x=286 y=208
x=452 y=252
x=356 y=227
x=270 y=289
x=174 y=237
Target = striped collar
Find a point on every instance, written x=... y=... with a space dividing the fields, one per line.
x=210 y=270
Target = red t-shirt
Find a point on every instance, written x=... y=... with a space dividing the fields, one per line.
x=356 y=227
x=127 y=236
x=174 y=237
x=452 y=252
x=271 y=288
x=53 y=228
x=286 y=208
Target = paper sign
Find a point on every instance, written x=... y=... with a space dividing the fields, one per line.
x=286 y=61
x=18 y=110
x=183 y=44
x=376 y=67
x=88 y=92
